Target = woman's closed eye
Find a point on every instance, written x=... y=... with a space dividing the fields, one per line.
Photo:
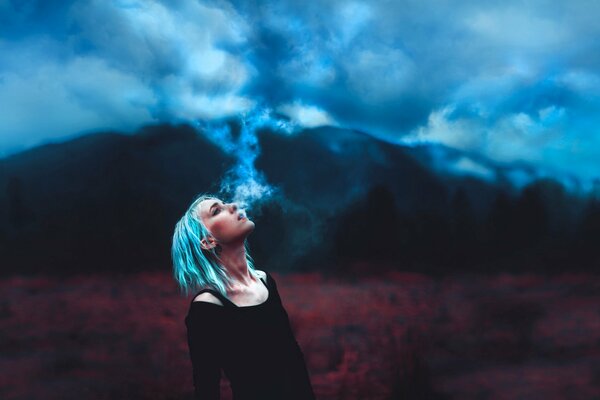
x=218 y=208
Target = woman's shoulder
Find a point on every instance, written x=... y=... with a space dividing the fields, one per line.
x=207 y=297
x=205 y=307
x=268 y=278
x=262 y=274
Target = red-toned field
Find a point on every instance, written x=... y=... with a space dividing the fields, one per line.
x=391 y=337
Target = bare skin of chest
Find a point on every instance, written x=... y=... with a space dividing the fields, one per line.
x=254 y=295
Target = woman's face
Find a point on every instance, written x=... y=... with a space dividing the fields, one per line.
x=223 y=221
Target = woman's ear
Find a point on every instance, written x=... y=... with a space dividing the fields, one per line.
x=208 y=244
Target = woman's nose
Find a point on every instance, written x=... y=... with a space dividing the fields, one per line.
x=234 y=206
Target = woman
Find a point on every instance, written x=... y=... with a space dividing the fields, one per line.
x=236 y=320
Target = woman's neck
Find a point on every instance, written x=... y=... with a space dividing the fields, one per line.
x=236 y=264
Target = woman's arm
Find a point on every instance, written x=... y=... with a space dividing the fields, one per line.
x=299 y=376
x=203 y=346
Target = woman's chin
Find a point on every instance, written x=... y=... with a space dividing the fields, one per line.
x=248 y=227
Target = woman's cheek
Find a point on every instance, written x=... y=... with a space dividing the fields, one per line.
x=223 y=229
x=217 y=229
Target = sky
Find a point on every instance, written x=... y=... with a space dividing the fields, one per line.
x=509 y=81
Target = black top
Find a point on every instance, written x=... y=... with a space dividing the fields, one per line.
x=254 y=345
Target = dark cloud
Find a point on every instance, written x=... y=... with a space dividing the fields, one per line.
x=510 y=81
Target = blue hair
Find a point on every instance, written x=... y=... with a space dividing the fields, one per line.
x=195 y=268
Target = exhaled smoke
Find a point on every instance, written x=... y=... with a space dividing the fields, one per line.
x=243 y=183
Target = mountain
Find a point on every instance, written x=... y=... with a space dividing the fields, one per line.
x=109 y=201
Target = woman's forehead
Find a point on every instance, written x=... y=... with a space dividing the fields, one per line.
x=205 y=204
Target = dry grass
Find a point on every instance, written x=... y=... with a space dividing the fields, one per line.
x=398 y=336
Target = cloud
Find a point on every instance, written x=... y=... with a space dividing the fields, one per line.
x=465 y=165
x=57 y=99
x=128 y=64
x=511 y=81
x=306 y=116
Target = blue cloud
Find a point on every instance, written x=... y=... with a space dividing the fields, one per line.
x=510 y=81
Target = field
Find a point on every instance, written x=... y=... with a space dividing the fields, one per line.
x=395 y=336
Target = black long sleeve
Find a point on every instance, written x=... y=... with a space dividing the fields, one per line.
x=253 y=345
x=203 y=346
x=299 y=375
